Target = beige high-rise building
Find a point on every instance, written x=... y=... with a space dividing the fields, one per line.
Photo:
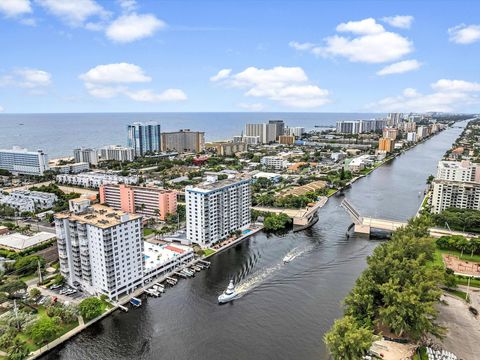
x=183 y=141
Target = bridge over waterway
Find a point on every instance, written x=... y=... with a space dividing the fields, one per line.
x=364 y=225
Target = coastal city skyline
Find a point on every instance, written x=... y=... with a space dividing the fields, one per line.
x=303 y=56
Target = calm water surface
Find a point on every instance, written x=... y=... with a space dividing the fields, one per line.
x=287 y=308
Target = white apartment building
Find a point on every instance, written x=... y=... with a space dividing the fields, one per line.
x=411 y=136
x=21 y=161
x=100 y=249
x=422 y=131
x=86 y=155
x=74 y=168
x=455 y=194
x=266 y=132
x=456 y=185
x=297 y=131
x=458 y=171
x=94 y=179
x=217 y=208
x=116 y=152
x=28 y=201
x=275 y=162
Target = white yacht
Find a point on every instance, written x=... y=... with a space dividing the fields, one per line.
x=289 y=257
x=228 y=295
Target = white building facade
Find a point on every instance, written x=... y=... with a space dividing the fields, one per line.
x=28 y=201
x=94 y=179
x=21 y=161
x=217 y=208
x=101 y=250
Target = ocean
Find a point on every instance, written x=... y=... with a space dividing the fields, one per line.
x=59 y=134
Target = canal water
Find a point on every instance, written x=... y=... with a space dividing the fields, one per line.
x=286 y=308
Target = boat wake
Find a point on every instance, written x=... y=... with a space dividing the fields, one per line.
x=255 y=280
x=295 y=253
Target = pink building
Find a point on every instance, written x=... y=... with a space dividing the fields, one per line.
x=149 y=201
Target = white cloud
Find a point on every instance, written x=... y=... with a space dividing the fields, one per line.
x=252 y=107
x=111 y=80
x=370 y=43
x=400 y=67
x=128 y=5
x=27 y=78
x=399 y=21
x=455 y=85
x=131 y=27
x=13 y=8
x=362 y=27
x=74 y=13
x=448 y=95
x=288 y=86
x=464 y=34
x=150 y=96
x=301 y=46
x=115 y=73
x=222 y=74
x=2 y=109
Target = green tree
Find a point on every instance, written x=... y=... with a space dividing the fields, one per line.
x=275 y=222
x=18 y=350
x=11 y=287
x=91 y=308
x=43 y=330
x=347 y=340
x=35 y=293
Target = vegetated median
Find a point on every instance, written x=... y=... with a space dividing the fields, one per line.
x=395 y=296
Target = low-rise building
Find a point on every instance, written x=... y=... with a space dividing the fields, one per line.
x=74 y=168
x=229 y=148
x=286 y=139
x=19 y=242
x=149 y=201
x=28 y=201
x=274 y=162
x=161 y=259
x=95 y=179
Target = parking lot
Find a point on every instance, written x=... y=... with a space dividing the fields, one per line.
x=64 y=294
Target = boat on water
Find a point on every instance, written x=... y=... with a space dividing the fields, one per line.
x=228 y=295
x=136 y=302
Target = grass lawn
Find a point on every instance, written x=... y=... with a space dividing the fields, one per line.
x=466 y=256
x=29 y=277
x=330 y=192
x=461 y=294
x=208 y=252
x=464 y=281
x=42 y=313
x=147 y=231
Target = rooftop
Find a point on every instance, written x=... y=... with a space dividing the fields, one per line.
x=100 y=216
x=157 y=255
x=214 y=185
x=20 y=242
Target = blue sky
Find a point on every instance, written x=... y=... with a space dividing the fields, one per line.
x=178 y=55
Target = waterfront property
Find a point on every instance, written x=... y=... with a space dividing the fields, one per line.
x=144 y=138
x=149 y=201
x=100 y=249
x=161 y=259
x=183 y=141
x=21 y=161
x=217 y=208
